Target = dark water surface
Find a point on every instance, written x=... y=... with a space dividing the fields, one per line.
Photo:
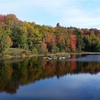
x=37 y=79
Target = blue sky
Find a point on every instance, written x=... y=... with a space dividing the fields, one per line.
x=78 y=13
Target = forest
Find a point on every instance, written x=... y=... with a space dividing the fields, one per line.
x=40 y=39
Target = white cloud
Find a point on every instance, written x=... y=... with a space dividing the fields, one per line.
x=79 y=13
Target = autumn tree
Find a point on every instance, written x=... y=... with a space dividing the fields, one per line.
x=19 y=37
x=87 y=43
x=79 y=43
x=73 y=42
x=5 y=40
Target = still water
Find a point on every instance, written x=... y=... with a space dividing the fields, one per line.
x=37 y=79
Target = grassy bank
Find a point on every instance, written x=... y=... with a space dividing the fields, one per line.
x=16 y=53
x=20 y=53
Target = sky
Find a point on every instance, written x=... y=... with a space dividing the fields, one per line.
x=76 y=13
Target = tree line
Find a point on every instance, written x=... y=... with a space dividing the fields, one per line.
x=15 y=33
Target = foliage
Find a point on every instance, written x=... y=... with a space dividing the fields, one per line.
x=43 y=39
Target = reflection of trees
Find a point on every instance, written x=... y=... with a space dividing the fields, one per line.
x=12 y=75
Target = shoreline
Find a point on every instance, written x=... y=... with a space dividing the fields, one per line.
x=48 y=54
x=69 y=53
x=85 y=53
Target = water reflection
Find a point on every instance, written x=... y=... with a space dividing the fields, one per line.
x=16 y=73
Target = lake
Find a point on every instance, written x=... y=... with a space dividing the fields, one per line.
x=77 y=78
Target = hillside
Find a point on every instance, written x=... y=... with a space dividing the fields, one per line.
x=38 y=39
